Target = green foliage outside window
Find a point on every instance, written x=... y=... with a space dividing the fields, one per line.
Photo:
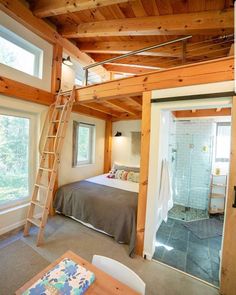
x=14 y=144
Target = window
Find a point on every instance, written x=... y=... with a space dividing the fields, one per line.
x=83 y=143
x=14 y=158
x=223 y=130
x=20 y=54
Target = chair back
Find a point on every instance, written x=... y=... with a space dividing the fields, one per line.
x=120 y=272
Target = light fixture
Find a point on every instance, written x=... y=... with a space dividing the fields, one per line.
x=67 y=61
x=118 y=134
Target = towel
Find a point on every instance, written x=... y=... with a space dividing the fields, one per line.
x=165 y=198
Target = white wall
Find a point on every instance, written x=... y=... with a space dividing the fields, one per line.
x=121 y=146
x=67 y=173
x=5 y=71
x=156 y=149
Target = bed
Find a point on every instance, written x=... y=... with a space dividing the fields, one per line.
x=107 y=205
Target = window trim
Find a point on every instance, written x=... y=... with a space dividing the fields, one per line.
x=32 y=153
x=222 y=160
x=17 y=40
x=75 y=162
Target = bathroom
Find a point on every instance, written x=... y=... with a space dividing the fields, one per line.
x=198 y=163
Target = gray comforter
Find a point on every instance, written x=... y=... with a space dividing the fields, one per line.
x=106 y=208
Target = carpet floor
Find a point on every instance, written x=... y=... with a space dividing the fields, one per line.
x=18 y=264
x=63 y=234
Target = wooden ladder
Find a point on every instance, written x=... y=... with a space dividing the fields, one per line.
x=48 y=168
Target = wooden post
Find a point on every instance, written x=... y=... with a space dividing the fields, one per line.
x=107 y=147
x=144 y=166
x=228 y=271
x=56 y=68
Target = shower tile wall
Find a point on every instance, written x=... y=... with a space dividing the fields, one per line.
x=191 y=160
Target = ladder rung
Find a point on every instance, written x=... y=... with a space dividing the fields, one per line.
x=55 y=121
x=51 y=136
x=41 y=186
x=37 y=203
x=50 y=153
x=59 y=106
x=34 y=221
x=45 y=169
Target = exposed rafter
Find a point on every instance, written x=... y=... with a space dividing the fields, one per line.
x=45 y=8
x=202 y=113
x=124 y=107
x=101 y=108
x=201 y=23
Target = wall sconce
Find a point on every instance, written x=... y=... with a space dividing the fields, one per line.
x=118 y=134
x=67 y=61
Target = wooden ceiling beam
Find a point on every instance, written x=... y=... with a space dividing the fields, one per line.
x=18 y=11
x=200 y=23
x=101 y=108
x=82 y=109
x=45 y=8
x=200 y=73
x=123 y=47
x=137 y=60
x=137 y=99
x=123 y=106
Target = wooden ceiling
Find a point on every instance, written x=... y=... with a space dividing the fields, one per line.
x=107 y=28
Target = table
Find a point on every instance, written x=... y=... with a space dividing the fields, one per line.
x=104 y=284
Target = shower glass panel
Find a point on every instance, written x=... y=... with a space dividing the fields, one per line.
x=191 y=160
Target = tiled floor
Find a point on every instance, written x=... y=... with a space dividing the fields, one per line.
x=180 y=248
x=188 y=214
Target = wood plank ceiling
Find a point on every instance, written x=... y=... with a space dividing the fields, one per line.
x=108 y=28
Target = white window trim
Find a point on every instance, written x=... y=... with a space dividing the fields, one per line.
x=92 y=132
x=221 y=160
x=32 y=152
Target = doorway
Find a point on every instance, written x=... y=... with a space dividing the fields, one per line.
x=190 y=238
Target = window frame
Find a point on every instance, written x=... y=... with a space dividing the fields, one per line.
x=17 y=40
x=75 y=160
x=32 y=153
x=222 y=160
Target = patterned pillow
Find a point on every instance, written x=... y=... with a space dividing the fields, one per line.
x=119 y=173
x=133 y=176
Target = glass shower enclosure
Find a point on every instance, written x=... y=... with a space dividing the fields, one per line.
x=191 y=165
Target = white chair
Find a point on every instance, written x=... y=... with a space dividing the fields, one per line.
x=120 y=272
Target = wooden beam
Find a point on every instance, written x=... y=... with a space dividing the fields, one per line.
x=122 y=47
x=205 y=22
x=81 y=109
x=144 y=167
x=202 y=113
x=138 y=60
x=123 y=106
x=174 y=50
x=101 y=108
x=228 y=271
x=56 y=68
x=17 y=10
x=45 y=8
x=25 y=92
x=137 y=99
x=201 y=73
x=107 y=147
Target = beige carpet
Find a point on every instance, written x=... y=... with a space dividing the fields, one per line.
x=63 y=234
x=18 y=263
